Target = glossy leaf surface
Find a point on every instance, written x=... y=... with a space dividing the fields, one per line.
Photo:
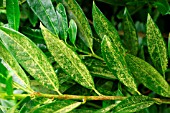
x=76 y=13
x=46 y=13
x=72 y=31
x=30 y=57
x=148 y=75
x=116 y=63
x=156 y=46
x=67 y=59
x=13 y=13
x=63 y=22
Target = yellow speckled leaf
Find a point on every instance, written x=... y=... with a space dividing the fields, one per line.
x=30 y=57
x=156 y=46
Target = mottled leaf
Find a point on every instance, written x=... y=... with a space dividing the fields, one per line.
x=116 y=63
x=72 y=31
x=67 y=59
x=169 y=46
x=130 y=35
x=13 y=13
x=156 y=46
x=19 y=74
x=59 y=106
x=30 y=57
x=63 y=22
x=104 y=27
x=9 y=88
x=99 y=69
x=133 y=104
x=75 y=12
x=106 y=109
x=148 y=75
x=45 y=12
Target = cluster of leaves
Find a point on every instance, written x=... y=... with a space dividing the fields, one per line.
x=47 y=52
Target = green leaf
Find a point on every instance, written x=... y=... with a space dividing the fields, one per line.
x=2 y=79
x=67 y=59
x=9 y=88
x=63 y=22
x=59 y=106
x=3 y=69
x=130 y=34
x=33 y=18
x=163 y=6
x=76 y=13
x=72 y=31
x=104 y=27
x=13 y=13
x=116 y=63
x=99 y=69
x=106 y=109
x=133 y=104
x=30 y=57
x=148 y=75
x=156 y=46
x=169 y=46
x=22 y=78
x=45 y=12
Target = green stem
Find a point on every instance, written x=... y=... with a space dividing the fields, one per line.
x=74 y=97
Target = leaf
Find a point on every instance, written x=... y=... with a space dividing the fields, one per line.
x=116 y=63
x=9 y=88
x=148 y=75
x=13 y=13
x=76 y=13
x=99 y=69
x=130 y=34
x=45 y=12
x=72 y=31
x=156 y=46
x=133 y=104
x=63 y=22
x=30 y=57
x=169 y=46
x=2 y=78
x=67 y=59
x=104 y=27
x=106 y=109
x=58 y=106
x=3 y=69
x=33 y=18
x=163 y=6
x=22 y=78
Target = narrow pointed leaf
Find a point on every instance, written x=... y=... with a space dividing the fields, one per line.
x=133 y=104
x=130 y=35
x=13 y=64
x=9 y=87
x=156 y=46
x=2 y=78
x=46 y=13
x=3 y=69
x=148 y=75
x=67 y=59
x=72 y=31
x=75 y=12
x=13 y=13
x=106 y=109
x=30 y=57
x=63 y=22
x=104 y=27
x=116 y=63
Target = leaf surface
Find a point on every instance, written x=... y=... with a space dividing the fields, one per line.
x=130 y=35
x=133 y=104
x=63 y=22
x=13 y=64
x=148 y=75
x=46 y=13
x=30 y=57
x=156 y=46
x=13 y=13
x=116 y=63
x=104 y=27
x=67 y=59
x=76 y=13
x=72 y=31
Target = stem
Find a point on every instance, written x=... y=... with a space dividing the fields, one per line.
x=75 y=97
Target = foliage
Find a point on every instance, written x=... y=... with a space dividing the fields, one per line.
x=82 y=56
